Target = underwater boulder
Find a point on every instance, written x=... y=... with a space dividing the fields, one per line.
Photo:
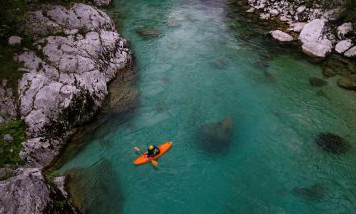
x=317 y=82
x=148 y=32
x=314 y=192
x=348 y=83
x=322 y=94
x=95 y=189
x=220 y=63
x=216 y=137
x=332 y=143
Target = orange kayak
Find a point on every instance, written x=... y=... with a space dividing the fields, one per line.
x=163 y=148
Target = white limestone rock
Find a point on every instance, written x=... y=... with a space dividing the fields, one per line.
x=298 y=27
x=25 y=192
x=274 y=12
x=344 y=29
x=265 y=16
x=343 y=46
x=281 y=36
x=251 y=10
x=314 y=43
x=39 y=150
x=71 y=78
x=351 y=52
x=55 y=19
x=301 y=9
x=14 y=40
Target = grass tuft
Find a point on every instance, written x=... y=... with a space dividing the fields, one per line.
x=9 y=151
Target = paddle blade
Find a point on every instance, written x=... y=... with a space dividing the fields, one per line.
x=154 y=163
x=137 y=149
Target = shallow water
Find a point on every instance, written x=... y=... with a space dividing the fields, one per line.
x=207 y=65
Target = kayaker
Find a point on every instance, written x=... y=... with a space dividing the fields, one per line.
x=152 y=151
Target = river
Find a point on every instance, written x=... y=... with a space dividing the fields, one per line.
x=240 y=111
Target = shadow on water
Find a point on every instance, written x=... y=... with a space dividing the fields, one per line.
x=96 y=189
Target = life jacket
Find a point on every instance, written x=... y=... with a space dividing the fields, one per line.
x=155 y=151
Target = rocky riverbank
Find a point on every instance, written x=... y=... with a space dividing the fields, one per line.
x=76 y=52
x=320 y=30
x=313 y=24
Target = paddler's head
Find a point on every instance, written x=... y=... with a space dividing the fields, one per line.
x=150 y=148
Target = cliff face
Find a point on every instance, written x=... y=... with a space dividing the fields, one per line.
x=77 y=52
x=67 y=74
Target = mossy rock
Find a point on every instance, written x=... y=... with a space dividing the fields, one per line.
x=348 y=82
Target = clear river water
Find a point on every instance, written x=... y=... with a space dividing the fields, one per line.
x=240 y=111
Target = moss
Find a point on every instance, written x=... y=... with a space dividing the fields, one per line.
x=349 y=12
x=7 y=175
x=59 y=204
x=9 y=151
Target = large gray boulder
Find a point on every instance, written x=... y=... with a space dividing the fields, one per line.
x=67 y=82
x=26 y=192
x=313 y=39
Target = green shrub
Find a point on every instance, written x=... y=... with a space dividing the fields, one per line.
x=349 y=11
x=9 y=151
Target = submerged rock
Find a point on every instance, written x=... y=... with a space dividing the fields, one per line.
x=96 y=189
x=148 y=32
x=215 y=138
x=322 y=94
x=220 y=63
x=174 y=24
x=348 y=83
x=314 y=192
x=317 y=82
x=331 y=143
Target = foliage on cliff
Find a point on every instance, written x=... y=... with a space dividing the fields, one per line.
x=349 y=12
x=13 y=14
x=9 y=150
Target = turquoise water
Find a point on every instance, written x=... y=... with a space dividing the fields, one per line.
x=208 y=64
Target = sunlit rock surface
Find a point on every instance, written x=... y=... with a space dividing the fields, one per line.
x=67 y=75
